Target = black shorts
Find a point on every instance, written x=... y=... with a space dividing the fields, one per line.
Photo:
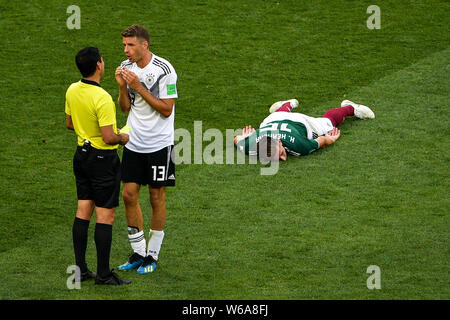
x=156 y=169
x=97 y=175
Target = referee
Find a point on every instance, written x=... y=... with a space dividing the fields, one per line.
x=90 y=112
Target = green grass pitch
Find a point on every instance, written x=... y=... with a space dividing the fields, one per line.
x=379 y=196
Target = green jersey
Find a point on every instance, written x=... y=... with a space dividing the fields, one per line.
x=293 y=136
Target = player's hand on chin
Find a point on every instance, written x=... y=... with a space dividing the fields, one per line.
x=131 y=79
x=119 y=78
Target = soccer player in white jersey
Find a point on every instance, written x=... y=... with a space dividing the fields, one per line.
x=284 y=132
x=147 y=92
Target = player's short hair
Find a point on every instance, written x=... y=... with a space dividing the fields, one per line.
x=267 y=149
x=86 y=60
x=137 y=31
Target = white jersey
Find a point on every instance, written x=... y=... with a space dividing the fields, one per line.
x=151 y=131
x=315 y=127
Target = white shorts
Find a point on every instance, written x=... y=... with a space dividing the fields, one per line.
x=315 y=126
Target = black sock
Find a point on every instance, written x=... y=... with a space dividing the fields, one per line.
x=103 y=238
x=80 y=237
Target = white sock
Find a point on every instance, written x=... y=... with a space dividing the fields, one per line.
x=137 y=240
x=154 y=243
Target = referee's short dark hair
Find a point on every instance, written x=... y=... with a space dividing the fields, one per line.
x=137 y=31
x=86 y=60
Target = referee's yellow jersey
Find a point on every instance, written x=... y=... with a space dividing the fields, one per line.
x=90 y=108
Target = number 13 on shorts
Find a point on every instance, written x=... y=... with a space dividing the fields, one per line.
x=159 y=173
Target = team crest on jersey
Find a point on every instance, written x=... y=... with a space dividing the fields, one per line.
x=149 y=79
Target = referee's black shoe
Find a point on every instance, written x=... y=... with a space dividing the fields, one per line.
x=87 y=275
x=112 y=279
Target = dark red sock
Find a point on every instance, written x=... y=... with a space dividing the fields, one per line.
x=286 y=107
x=338 y=115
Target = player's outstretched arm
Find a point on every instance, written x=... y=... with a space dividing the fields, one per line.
x=329 y=138
x=248 y=130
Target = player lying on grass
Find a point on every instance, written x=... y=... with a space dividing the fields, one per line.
x=284 y=132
